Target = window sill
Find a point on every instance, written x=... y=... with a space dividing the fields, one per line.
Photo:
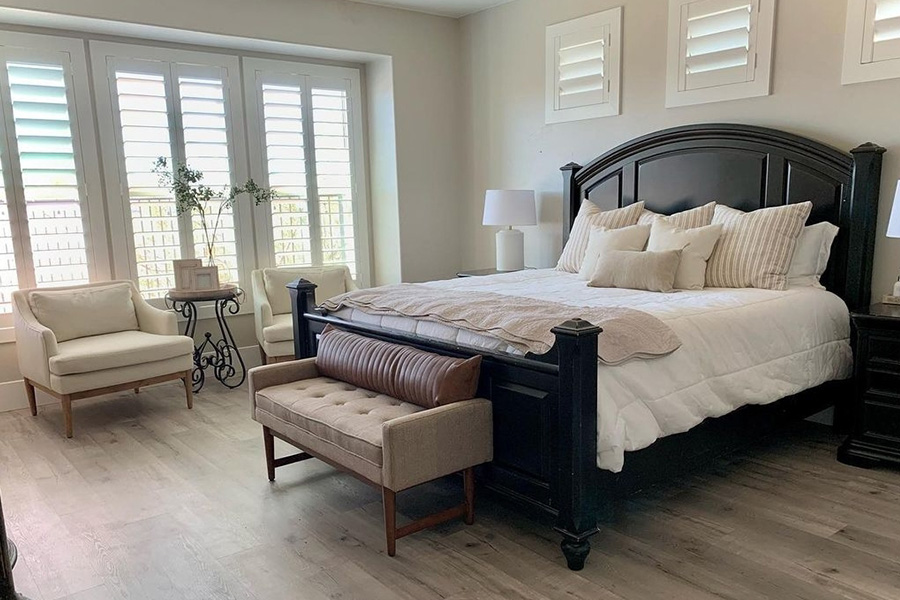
x=7 y=335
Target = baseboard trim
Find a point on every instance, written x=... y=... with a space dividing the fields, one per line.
x=12 y=393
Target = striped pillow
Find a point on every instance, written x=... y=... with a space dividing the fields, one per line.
x=590 y=216
x=755 y=248
x=686 y=219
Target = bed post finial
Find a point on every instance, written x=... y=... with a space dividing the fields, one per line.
x=864 y=190
x=571 y=197
x=576 y=449
x=303 y=300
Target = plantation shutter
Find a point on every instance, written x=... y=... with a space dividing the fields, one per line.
x=144 y=128
x=9 y=280
x=718 y=43
x=580 y=68
x=334 y=178
x=882 y=35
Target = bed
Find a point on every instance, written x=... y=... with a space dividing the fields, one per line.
x=572 y=436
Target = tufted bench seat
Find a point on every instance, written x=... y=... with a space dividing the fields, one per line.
x=387 y=442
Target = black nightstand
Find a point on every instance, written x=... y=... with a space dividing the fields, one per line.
x=481 y=272
x=875 y=433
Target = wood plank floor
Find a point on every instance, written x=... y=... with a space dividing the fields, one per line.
x=152 y=501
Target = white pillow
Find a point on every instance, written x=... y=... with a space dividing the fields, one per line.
x=82 y=312
x=603 y=240
x=697 y=245
x=811 y=255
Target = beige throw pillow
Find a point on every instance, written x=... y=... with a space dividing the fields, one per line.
x=604 y=240
x=686 y=219
x=590 y=216
x=756 y=247
x=72 y=314
x=651 y=271
x=696 y=244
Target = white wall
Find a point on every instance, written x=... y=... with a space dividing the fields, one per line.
x=507 y=143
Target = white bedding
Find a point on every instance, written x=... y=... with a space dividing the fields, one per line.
x=740 y=346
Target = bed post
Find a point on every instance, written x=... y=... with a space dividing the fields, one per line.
x=576 y=446
x=864 y=190
x=303 y=300
x=571 y=197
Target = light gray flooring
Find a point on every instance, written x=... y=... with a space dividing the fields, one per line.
x=152 y=501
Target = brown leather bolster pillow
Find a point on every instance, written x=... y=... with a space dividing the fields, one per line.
x=406 y=373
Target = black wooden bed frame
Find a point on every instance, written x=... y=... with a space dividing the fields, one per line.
x=545 y=406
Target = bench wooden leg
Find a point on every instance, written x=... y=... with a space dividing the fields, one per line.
x=29 y=392
x=188 y=390
x=66 y=402
x=389 y=498
x=469 y=487
x=269 y=443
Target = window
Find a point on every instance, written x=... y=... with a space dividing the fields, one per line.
x=719 y=50
x=176 y=105
x=583 y=67
x=47 y=163
x=305 y=142
x=872 y=41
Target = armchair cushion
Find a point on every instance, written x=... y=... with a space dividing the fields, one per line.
x=82 y=312
x=281 y=329
x=330 y=281
x=117 y=350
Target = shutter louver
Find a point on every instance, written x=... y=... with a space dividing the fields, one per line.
x=334 y=182
x=718 y=38
x=50 y=183
x=580 y=68
x=144 y=121
x=286 y=170
x=206 y=149
x=886 y=31
x=9 y=279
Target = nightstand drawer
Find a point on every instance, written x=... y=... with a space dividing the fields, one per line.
x=881 y=419
x=882 y=381
x=884 y=351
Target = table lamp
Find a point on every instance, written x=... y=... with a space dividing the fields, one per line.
x=893 y=231
x=506 y=208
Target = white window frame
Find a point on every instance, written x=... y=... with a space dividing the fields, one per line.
x=761 y=56
x=307 y=75
x=106 y=57
x=858 y=47
x=611 y=22
x=71 y=53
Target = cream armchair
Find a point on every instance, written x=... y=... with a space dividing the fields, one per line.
x=272 y=304
x=82 y=341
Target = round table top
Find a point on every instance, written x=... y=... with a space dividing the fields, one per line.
x=223 y=293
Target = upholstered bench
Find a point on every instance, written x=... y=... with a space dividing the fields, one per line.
x=391 y=415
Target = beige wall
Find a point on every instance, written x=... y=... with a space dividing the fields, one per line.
x=508 y=145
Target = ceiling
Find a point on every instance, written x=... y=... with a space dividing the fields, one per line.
x=446 y=8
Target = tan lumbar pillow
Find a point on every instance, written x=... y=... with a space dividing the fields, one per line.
x=83 y=312
x=589 y=216
x=755 y=248
x=686 y=219
x=604 y=240
x=696 y=244
x=651 y=271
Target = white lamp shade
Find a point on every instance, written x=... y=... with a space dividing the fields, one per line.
x=509 y=207
x=893 y=230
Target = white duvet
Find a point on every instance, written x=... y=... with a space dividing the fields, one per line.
x=739 y=346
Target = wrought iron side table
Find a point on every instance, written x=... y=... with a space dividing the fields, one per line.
x=221 y=355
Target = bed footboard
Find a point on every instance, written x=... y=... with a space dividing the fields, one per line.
x=545 y=417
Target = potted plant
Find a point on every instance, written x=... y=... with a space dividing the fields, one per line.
x=193 y=196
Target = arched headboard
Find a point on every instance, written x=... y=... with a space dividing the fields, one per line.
x=747 y=168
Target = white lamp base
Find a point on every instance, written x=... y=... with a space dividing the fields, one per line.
x=510 y=250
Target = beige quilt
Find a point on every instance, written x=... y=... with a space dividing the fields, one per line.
x=524 y=323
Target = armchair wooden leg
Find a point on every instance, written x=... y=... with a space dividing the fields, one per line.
x=188 y=391
x=269 y=442
x=390 y=519
x=137 y=390
x=29 y=392
x=469 y=487
x=262 y=356
x=66 y=402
